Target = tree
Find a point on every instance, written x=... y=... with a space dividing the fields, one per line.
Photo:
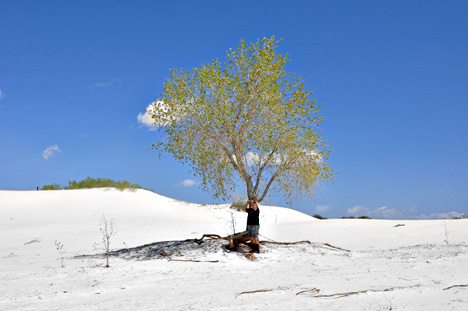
x=249 y=119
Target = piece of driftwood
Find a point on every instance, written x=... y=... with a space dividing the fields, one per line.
x=399 y=225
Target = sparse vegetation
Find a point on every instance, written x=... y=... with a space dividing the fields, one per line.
x=319 y=217
x=360 y=217
x=90 y=182
x=238 y=203
x=51 y=187
x=108 y=229
x=100 y=183
x=59 y=247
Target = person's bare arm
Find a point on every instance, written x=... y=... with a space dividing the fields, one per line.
x=245 y=206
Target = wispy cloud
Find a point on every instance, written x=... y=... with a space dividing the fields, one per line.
x=448 y=215
x=322 y=209
x=386 y=212
x=187 y=183
x=50 y=151
x=383 y=212
x=2 y=94
x=114 y=81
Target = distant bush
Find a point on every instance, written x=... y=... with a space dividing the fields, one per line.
x=364 y=217
x=100 y=183
x=89 y=183
x=319 y=217
x=238 y=203
x=360 y=217
x=51 y=187
x=464 y=216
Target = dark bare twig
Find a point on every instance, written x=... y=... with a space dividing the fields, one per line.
x=453 y=286
x=340 y=295
x=255 y=291
x=313 y=290
x=338 y=248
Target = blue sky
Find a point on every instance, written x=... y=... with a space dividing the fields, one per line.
x=391 y=77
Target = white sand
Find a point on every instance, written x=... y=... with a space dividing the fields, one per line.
x=391 y=264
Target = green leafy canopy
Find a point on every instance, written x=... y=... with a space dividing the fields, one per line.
x=248 y=118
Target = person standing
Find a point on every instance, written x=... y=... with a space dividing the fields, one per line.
x=253 y=223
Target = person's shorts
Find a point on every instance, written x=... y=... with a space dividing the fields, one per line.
x=252 y=231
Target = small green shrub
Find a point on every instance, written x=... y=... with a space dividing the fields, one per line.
x=51 y=187
x=90 y=182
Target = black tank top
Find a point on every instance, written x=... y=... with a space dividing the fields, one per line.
x=253 y=217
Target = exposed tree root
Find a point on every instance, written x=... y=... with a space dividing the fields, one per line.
x=284 y=243
x=210 y=236
x=165 y=255
x=453 y=286
x=212 y=261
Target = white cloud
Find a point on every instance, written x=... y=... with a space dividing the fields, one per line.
x=50 y=151
x=145 y=119
x=187 y=183
x=386 y=212
x=2 y=95
x=358 y=210
x=322 y=209
x=252 y=158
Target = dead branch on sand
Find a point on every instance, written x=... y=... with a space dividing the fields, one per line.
x=255 y=291
x=453 y=286
x=338 y=248
x=313 y=290
x=341 y=295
